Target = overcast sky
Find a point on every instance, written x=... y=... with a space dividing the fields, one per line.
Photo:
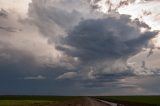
x=79 y=47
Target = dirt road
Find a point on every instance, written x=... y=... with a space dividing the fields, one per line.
x=82 y=101
x=93 y=102
x=86 y=101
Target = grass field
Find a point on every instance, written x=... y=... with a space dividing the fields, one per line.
x=45 y=100
x=134 y=99
x=33 y=100
x=23 y=102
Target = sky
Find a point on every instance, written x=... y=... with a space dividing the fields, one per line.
x=79 y=47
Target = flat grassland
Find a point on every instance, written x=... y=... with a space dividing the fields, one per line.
x=34 y=100
x=153 y=100
x=74 y=100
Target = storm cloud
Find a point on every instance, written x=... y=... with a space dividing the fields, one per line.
x=105 y=44
x=95 y=39
x=57 y=44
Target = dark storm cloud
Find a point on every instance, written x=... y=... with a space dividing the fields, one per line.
x=15 y=61
x=108 y=38
x=102 y=79
x=21 y=75
x=114 y=77
x=20 y=69
x=101 y=43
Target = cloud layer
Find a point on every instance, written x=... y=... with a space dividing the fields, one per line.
x=61 y=44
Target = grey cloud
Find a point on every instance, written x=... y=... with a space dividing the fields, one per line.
x=102 y=79
x=144 y=65
x=147 y=13
x=20 y=35
x=141 y=24
x=3 y=13
x=101 y=43
x=16 y=61
x=7 y=20
x=55 y=18
x=150 y=52
x=95 y=49
x=144 y=83
x=108 y=38
x=112 y=6
x=57 y=15
x=9 y=29
x=40 y=16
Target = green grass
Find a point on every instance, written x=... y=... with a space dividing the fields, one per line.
x=54 y=98
x=23 y=102
x=33 y=100
x=134 y=99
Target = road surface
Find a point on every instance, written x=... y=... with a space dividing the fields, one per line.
x=93 y=102
x=86 y=101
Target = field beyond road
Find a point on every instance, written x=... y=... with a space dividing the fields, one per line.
x=138 y=100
